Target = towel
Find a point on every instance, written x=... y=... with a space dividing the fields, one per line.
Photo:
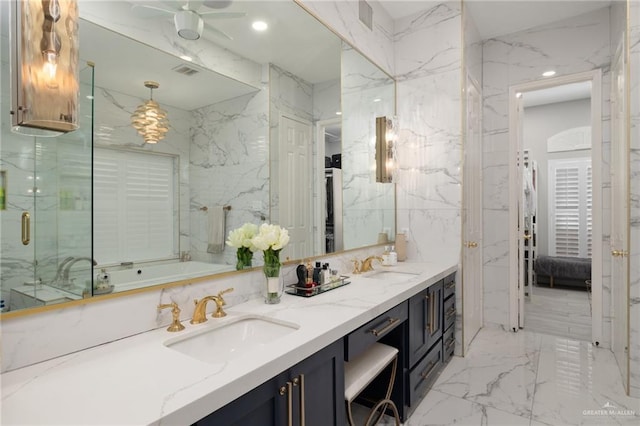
x=216 y=229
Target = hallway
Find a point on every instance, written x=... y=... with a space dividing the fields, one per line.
x=560 y=312
x=528 y=379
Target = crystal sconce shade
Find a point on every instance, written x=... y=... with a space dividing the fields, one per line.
x=385 y=148
x=44 y=66
x=149 y=119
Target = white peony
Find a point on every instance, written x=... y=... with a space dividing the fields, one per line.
x=270 y=237
x=242 y=237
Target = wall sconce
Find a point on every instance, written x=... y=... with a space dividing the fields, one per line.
x=385 y=148
x=149 y=119
x=44 y=67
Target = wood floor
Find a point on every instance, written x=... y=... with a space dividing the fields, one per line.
x=559 y=312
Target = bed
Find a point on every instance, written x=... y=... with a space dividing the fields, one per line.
x=564 y=271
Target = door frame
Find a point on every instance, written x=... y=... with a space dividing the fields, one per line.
x=478 y=281
x=321 y=198
x=595 y=77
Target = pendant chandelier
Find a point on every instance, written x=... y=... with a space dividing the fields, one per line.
x=149 y=119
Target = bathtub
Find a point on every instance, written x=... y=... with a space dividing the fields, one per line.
x=144 y=276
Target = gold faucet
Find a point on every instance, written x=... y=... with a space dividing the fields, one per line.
x=175 y=311
x=367 y=264
x=200 y=313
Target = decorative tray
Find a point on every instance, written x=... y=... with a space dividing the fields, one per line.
x=319 y=289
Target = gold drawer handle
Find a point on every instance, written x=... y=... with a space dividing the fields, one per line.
x=450 y=285
x=450 y=343
x=430 y=368
x=389 y=326
x=26 y=228
x=451 y=312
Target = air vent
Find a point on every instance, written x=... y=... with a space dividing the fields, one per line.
x=185 y=70
x=366 y=14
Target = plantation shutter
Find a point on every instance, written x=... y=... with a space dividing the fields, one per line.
x=570 y=215
x=134 y=199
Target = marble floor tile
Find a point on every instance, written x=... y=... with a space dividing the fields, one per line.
x=526 y=378
x=579 y=384
x=502 y=378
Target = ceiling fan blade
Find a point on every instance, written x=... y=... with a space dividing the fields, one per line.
x=217 y=4
x=222 y=15
x=217 y=32
x=146 y=11
x=192 y=5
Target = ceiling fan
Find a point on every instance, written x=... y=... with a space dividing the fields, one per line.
x=188 y=16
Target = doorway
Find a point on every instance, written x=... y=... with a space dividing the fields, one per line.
x=554 y=232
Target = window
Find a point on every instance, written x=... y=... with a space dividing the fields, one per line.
x=135 y=206
x=570 y=218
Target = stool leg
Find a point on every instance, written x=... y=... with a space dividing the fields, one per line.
x=350 y=415
x=382 y=405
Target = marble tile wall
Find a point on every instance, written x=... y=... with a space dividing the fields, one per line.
x=428 y=63
x=342 y=17
x=634 y=258
x=569 y=46
x=228 y=166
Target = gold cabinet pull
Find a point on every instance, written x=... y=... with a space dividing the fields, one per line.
x=289 y=404
x=26 y=228
x=302 y=401
x=391 y=323
x=451 y=312
x=429 y=369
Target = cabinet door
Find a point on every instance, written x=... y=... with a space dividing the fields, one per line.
x=265 y=405
x=435 y=324
x=418 y=320
x=318 y=384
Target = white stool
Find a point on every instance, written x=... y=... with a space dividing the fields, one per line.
x=360 y=372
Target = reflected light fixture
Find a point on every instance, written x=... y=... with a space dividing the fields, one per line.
x=386 y=135
x=259 y=26
x=549 y=73
x=44 y=67
x=149 y=119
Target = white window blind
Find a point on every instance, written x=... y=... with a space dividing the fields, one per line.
x=134 y=205
x=570 y=216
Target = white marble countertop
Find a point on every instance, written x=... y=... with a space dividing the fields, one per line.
x=139 y=381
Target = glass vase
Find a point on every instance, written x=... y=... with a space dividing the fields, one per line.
x=244 y=257
x=274 y=285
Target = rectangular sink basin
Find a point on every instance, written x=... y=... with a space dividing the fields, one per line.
x=217 y=344
x=392 y=276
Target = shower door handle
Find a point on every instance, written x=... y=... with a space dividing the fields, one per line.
x=26 y=228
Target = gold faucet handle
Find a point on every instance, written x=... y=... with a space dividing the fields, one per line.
x=229 y=290
x=175 y=312
x=356 y=266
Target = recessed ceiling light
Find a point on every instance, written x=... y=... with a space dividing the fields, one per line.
x=548 y=73
x=377 y=100
x=338 y=112
x=259 y=26
x=186 y=58
x=519 y=95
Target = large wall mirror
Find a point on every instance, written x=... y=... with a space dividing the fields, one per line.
x=233 y=99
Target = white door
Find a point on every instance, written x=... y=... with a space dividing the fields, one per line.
x=620 y=217
x=472 y=288
x=295 y=186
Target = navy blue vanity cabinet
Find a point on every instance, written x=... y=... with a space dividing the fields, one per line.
x=309 y=393
x=449 y=318
x=425 y=321
x=425 y=342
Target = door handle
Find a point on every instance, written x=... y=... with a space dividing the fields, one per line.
x=26 y=228
x=527 y=236
x=471 y=244
x=617 y=253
